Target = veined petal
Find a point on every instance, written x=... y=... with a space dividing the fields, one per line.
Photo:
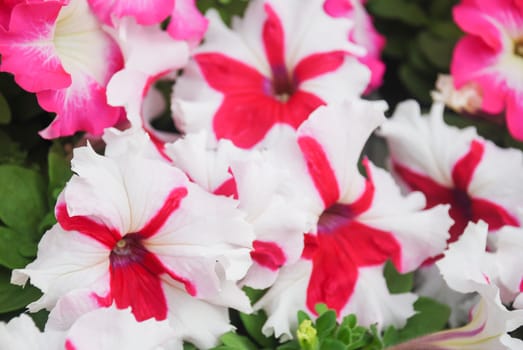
x=66 y=261
x=22 y=46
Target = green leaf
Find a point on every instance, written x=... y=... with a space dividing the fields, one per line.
x=5 y=111
x=253 y=324
x=10 y=152
x=40 y=318
x=254 y=294
x=233 y=341
x=14 y=248
x=14 y=297
x=436 y=50
x=402 y=10
x=59 y=170
x=417 y=83
x=397 y=282
x=332 y=344
x=24 y=201
x=291 y=345
x=326 y=323
x=431 y=317
x=189 y=346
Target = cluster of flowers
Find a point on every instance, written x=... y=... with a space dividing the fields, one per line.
x=156 y=238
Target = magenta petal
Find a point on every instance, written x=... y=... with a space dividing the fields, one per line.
x=23 y=46
x=473 y=21
x=471 y=58
x=515 y=114
x=78 y=109
x=145 y=12
x=187 y=23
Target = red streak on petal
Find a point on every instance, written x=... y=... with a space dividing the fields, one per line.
x=169 y=206
x=135 y=281
x=434 y=192
x=337 y=255
x=493 y=214
x=273 y=39
x=464 y=169
x=320 y=170
x=227 y=188
x=310 y=246
x=317 y=64
x=228 y=75
x=268 y=254
x=521 y=285
x=103 y=234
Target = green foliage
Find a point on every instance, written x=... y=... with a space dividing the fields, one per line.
x=233 y=341
x=431 y=317
x=420 y=41
x=14 y=297
x=397 y=282
x=5 y=111
x=327 y=334
x=226 y=8
x=24 y=200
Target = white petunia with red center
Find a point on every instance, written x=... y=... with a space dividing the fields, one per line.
x=479 y=180
x=162 y=248
x=272 y=69
x=362 y=222
x=71 y=60
x=490 y=56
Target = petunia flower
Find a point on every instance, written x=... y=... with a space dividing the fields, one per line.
x=58 y=40
x=20 y=333
x=361 y=223
x=185 y=21
x=272 y=69
x=490 y=55
x=363 y=34
x=165 y=247
x=479 y=180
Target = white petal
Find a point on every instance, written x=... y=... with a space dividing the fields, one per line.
x=109 y=328
x=20 y=333
x=373 y=303
x=425 y=145
x=205 y=231
x=66 y=261
x=284 y=299
x=194 y=320
x=342 y=130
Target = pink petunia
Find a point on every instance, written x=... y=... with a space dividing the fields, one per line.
x=490 y=55
x=71 y=60
x=270 y=71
